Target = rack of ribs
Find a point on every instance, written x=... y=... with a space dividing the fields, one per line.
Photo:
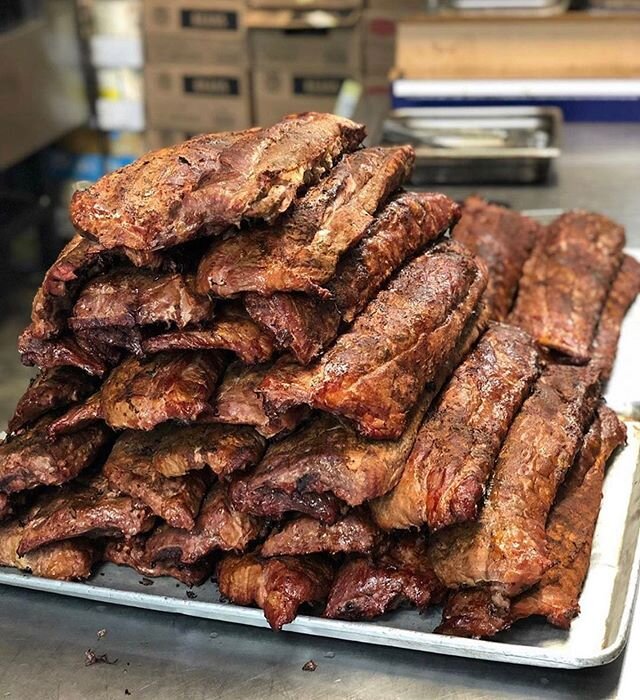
x=278 y=585
x=66 y=561
x=446 y=473
x=130 y=469
x=141 y=394
x=131 y=551
x=326 y=464
x=354 y=533
x=306 y=324
x=31 y=458
x=211 y=182
x=375 y=372
x=506 y=547
x=77 y=509
x=366 y=587
x=566 y=281
x=504 y=239
x=219 y=526
x=301 y=252
x=224 y=449
x=51 y=390
x=622 y=294
x=480 y=612
x=237 y=401
x=232 y=329
x=132 y=300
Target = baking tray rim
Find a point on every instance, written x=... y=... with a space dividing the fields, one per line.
x=364 y=632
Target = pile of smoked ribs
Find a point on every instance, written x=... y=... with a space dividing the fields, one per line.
x=264 y=362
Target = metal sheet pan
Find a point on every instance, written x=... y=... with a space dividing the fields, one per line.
x=596 y=637
x=480 y=145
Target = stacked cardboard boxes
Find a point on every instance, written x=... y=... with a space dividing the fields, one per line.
x=302 y=52
x=197 y=68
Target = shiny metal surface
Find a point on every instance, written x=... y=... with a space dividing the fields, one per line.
x=478 y=144
x=43 y=637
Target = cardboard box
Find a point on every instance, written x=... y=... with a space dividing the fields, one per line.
x=210 y=32
x=197 y=98
x=379 y=31
x=277 y=92
x=305 y=4
x=574 y=45
x=329 y=41
x=154 y=139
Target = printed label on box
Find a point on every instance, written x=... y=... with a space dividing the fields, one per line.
x=209 y=19
x=210 y=85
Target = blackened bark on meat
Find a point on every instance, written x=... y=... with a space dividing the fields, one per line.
x=78 y=509
x=375 y=372
x=566 y=281
x=141 y=394
x=367 y=587
x=232 y=330
x=506 y=546
x=59 y=352
x=31 y=458
x=327 y=463
x=446 y=473
x=354 y=533
x=50 y=390
x=219 y=526
x=131 y=551
x=211 y=182
x=300 y=323
x=130 y=470
x=301 y=252
x=134 y=298
x=504 y=239
x=278 y=585
x=623 y=293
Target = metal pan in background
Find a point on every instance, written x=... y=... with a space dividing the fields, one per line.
x=478 y=145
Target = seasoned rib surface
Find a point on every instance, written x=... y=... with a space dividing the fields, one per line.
x=446 y=473
x=506 y=546
x=375 y=372
x=51 y=389
x=278 y=585
x=129 y=469
x=237 y=401
x=218 y=526
x=60 y=352
x=78 y=509
x=566 y=281
x=211 y=182
x=326 y=461
x=224 y=449
x=232 y=330
x=622 y=294
x=305 y=324
x=133 y=298
x=131 y=551
x=409 y=222
x=504 y=239
x=300 y=323
x=481 y=612
x=571 y=526
x=355 y=532
x=301 y=252
x=67 y=561
x=368 y=587
x=31 y=458
x=141 y=394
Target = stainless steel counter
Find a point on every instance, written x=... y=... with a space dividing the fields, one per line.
x=43 y=638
